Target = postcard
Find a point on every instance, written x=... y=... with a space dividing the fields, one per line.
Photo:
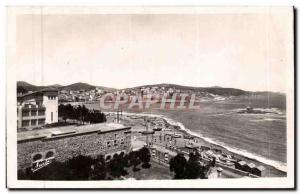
x=150 y=97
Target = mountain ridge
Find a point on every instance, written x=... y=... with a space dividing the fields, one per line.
x=23 y=86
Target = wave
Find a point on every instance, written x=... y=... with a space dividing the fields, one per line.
x=268 y=119
x=276 y=164
x=267 y=110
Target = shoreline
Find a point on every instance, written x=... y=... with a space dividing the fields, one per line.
x=273 y=171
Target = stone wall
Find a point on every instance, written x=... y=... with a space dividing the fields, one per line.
x=69 y=146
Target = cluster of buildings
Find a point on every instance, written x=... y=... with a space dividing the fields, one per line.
x=80 y=95
x=165 y=145
x=157 y=91
x=96 y=94
x=250 y=168
x=154 y=90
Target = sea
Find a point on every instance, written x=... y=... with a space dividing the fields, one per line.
x=261 y=137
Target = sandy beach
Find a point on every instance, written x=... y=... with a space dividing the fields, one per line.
x=137 y=122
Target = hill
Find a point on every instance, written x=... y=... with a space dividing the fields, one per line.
x=23 y=87
x=212 y=90
x=84 y=86
x=78 y=86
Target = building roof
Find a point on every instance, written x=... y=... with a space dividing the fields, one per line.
x=242 y=162
x=261 y=168
x=251 y=165
x=69 y=131
x=39 y=92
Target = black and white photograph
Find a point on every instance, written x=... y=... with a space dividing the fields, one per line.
x=150 y=97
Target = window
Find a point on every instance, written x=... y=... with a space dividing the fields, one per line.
x=51 y=116
x=41 y=112
x=108 y=144
x=25 y=123
x=37 y=157
x=166 y=156
x=51 y=97
x=33 y=122
x=25 y=113
x=49 y=154
x=33 y=113
x=41 y=121
x=153 y=152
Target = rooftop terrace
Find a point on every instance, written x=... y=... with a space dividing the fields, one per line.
x=69 y=130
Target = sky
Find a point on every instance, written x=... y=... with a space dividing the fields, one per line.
x=245 y=51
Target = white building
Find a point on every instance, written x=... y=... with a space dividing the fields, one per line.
x=37 y=108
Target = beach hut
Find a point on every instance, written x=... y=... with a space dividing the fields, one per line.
x=248 y=167
x=251 y=166
x=240 y=165
x=258 y=171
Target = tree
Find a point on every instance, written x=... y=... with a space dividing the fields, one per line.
x=70 y=111
x=21 y=89
x=145 y=156
x=99 y=169
x=79 y=167
x=178 y=165
x=84 y=113
x=126 y=161
x=81 y=114
x=134 y=160
x=193 y=168
x=117 y=166
x=63 y=112
x=78 y=114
